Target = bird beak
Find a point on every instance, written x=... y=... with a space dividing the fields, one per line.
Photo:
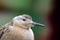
x=37 y=24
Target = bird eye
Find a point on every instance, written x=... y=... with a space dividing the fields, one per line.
x=24 y=19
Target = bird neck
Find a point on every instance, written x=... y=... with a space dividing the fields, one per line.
x=20 y=26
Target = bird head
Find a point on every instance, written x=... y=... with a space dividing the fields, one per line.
x=25 y=21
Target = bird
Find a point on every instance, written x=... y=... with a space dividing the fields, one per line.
x=19 y=28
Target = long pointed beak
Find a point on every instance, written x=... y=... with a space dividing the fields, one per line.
x=38 y=24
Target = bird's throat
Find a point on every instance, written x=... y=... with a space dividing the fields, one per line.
x=21 y=26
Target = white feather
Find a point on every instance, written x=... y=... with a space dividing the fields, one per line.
x=28 y=34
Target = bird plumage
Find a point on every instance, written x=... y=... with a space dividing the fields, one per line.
x=15 y=32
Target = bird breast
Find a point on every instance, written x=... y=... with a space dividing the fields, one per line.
x=18 y=34
x=28 y=35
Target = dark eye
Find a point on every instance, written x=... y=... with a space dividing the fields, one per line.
x=24 y=19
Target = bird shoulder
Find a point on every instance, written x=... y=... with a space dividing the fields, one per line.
x=5 y=29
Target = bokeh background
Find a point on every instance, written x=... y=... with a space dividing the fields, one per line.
x=35 y=8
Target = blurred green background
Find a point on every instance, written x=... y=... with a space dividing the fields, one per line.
x=35 y=8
